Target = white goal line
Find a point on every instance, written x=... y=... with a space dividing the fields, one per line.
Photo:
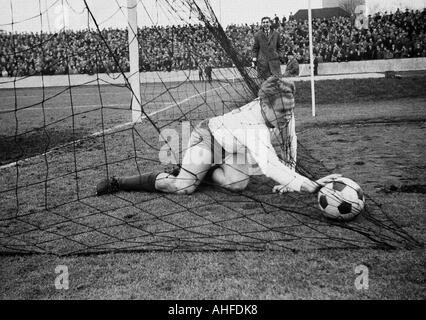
x=89 y=106
x=115 y=128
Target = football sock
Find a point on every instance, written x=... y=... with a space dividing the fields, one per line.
x=143 y=182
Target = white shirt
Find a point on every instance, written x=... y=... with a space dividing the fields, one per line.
x=245 y=129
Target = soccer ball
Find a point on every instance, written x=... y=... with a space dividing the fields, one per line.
x=342 y=199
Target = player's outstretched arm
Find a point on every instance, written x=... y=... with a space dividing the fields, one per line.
x=308 y=186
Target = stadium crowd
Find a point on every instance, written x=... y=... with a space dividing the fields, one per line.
x=401 y=34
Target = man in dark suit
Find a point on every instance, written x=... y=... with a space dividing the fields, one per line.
x=267 y=50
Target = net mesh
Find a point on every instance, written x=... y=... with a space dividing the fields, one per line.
x=59 y=138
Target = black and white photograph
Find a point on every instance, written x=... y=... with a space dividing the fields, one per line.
x=213 y=155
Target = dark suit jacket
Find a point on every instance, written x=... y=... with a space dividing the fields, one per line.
x=267 y=50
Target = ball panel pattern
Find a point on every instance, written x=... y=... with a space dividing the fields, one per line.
x=345 y=208
x=339 y=186
x=323 y=201
x=342 y=199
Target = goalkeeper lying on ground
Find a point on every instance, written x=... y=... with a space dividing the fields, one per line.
x=231 y=147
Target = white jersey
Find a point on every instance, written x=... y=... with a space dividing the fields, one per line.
x=244 y=129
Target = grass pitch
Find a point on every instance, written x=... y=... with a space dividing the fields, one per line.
x=371 y=131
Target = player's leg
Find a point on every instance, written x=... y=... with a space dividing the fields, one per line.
x=233 y=174
x=195 y=165
x=197 y=162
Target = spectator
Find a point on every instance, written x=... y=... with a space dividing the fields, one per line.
x=417 y=52
x=200 y=72
x=267 y=50
x=316 y=62
x=388 y=54
x=208 y=71
x=168 y=48
x=283 y=21
x=292 y=68
x=276 y=23
x=380 y=53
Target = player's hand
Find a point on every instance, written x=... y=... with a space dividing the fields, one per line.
x=254 y=63
x=328 y=179
x=282 y=189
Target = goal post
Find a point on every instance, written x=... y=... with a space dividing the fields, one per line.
x=134 y=76
x=311 y=57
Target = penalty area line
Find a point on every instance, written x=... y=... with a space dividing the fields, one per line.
x=107 y=131
x=89 y=106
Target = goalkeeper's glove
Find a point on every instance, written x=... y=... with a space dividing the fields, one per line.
x=321 y=183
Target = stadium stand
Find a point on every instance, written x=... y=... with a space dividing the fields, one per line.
x=324 y=13
x=401 y=34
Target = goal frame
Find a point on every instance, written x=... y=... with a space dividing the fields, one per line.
x=133 y=43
